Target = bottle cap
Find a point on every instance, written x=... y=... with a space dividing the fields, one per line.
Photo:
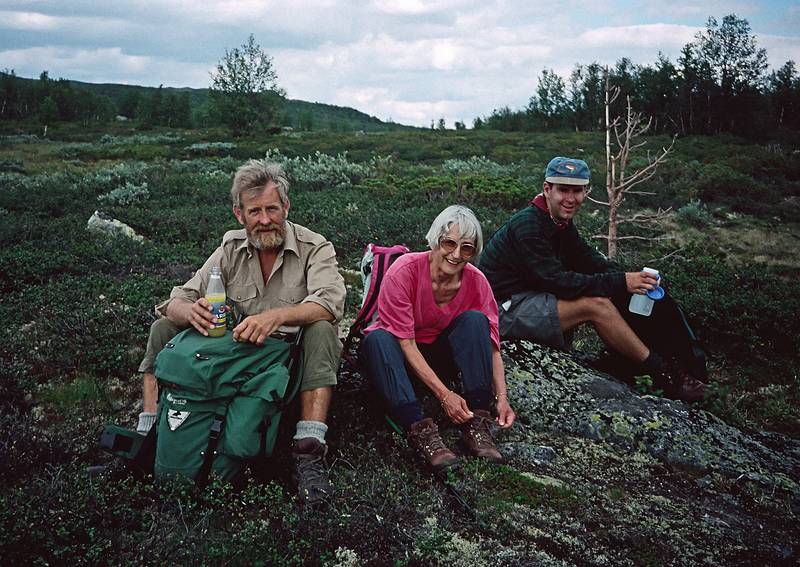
x=656 y=294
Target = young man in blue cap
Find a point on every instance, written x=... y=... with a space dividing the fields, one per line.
x=547 y=280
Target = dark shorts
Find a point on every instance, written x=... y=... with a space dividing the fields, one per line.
x=532 y=316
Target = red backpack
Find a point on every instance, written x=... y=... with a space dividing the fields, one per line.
x=374 y=264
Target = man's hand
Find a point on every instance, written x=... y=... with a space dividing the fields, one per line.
x=505 y=415
x=200 y=316
x=640 y=282
x=256 y=328
x=456 y=408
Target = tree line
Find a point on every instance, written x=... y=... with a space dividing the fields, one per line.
x=48 y=101
x=718 y=84
x=51 y=100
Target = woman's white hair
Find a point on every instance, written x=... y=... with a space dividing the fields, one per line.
x=467 y=223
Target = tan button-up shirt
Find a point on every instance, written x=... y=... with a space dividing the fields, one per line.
x=304 y=271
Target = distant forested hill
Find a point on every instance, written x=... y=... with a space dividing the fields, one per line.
x=297 y=114
x=166 y=106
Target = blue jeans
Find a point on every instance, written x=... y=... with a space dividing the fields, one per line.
x=463 y=348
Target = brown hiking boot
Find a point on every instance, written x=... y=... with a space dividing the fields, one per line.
x=477 y=437
x=310 y=472
x=424 y=437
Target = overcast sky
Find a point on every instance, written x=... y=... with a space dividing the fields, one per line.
x=411 y=61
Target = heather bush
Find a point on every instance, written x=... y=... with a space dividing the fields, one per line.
x=12 y=139
x=118 y=175
x=322 y=171
x=213 y=167
x=140 y=139
x=476 y=166
x=126 y=195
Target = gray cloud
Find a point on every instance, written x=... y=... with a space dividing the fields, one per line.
x=411 y=60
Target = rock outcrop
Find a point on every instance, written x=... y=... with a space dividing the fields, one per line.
x=104 y=224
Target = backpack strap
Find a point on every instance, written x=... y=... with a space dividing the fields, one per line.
x=214 y=433
x=143 y=463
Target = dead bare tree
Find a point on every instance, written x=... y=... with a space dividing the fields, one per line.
x=620 y=182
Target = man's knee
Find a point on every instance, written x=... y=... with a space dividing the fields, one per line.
x=320 y=330
x=597 y=308
x=161 y=332
x=321 y=351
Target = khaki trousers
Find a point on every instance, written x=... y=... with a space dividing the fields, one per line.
x=321 y=349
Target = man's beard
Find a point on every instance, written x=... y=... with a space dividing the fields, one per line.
x=268 y=239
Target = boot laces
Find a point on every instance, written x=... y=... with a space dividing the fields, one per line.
x=311 y=471
x=479 y=429
x=431 y=441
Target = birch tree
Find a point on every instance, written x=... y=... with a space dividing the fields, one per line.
x=244 y=88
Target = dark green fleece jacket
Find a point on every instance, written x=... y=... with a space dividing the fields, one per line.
x=530 y=253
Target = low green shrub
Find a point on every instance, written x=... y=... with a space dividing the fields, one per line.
x=210 y=148
x=70 y=518
x=80 y=323
x=12 y=139
x=718 y=182
x=694 y=213
x=745 y=314
x=214 y=166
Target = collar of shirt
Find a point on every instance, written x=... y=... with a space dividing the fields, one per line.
x=540 y=202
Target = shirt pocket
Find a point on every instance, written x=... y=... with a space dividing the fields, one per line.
x=292 y=295
x=244 y=298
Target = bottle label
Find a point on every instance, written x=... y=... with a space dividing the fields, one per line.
x=219 y=310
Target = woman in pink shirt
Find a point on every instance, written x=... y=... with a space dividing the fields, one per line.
x=437 y=318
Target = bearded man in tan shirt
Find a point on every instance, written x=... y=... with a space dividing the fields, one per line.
x=277 y=274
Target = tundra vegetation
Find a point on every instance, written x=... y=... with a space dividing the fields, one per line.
x=597 y=474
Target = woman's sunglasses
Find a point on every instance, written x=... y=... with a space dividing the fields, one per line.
x=449 y=245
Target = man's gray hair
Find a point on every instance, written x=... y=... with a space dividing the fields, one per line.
x=468 y=226
x=254 y=175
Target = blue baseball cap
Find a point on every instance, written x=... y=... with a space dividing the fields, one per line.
x=567 y=171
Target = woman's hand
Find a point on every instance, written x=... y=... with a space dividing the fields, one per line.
x=456 y=408
x=505 y=415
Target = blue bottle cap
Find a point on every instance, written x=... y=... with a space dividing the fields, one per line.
x=656 y=294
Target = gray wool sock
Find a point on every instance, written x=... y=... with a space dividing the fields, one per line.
x=146 y=421
x=315 y=429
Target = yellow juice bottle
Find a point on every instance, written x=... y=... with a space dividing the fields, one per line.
x=215 y=295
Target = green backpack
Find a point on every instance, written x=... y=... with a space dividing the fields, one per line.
x=220 y=403
x=219 y=408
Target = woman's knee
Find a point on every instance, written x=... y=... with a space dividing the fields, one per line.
x=379 y=350
x=378 y=340
x=473 y=318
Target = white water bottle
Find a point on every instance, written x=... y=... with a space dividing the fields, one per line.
x=642 y=304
